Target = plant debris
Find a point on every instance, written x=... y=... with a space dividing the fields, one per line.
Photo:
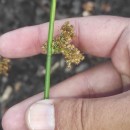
x=62 y=45
x=4 y=65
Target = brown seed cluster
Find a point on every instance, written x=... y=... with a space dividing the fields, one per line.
x=4 y=65
x=62 y=44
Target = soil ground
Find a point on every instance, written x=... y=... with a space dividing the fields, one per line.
x=26 y=76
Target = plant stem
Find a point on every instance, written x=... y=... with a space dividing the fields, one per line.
x=49 y=49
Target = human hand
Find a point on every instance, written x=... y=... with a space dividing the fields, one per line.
x=95 y=99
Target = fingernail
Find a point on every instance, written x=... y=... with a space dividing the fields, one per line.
x=40 y=116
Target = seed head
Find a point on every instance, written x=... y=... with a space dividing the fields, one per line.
x=62 y=44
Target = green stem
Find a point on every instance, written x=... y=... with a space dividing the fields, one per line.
x=49 y=49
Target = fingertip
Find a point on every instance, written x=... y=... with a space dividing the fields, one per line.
x=5 y=122
x=22 y=42
x=12 y=120
x=27 y=41
x=40 y=115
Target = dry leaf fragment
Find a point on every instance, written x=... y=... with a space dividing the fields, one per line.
x=4 y=65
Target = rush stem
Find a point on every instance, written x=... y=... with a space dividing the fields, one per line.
x=49 y=49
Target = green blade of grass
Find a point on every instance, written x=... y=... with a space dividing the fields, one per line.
x=49 y=49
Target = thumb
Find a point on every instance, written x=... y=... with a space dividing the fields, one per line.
x=110 y=113
x=58 y=115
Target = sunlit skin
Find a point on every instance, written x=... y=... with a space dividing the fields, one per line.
x=104 y=89
x=61 y=45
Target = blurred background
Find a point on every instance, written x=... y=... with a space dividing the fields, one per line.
x=26 y=76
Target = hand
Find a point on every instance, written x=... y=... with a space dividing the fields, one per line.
x=72 y=105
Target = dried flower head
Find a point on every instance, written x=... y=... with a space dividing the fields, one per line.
x=4 y=65
x=62 y=44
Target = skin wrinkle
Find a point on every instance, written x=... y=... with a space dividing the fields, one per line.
x=82 y=106
x=124 y=114
x=38 y=44
x=128 y=50
x=121 y=80
x=86 y=87
x=75 y=116
x=123 y=119
x=87 y=114
x=75 y=111
x=60 y=121
x=128 y=54
x=41 y=36
x=77 y=29
x=112 y=53
x=117 y=41
x=90 y=90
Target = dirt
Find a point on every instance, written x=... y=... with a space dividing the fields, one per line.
x=26 y=76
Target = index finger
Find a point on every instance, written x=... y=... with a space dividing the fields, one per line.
x=96 y=35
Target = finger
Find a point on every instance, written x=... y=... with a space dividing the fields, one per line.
x=79 y=113
x=103 y=36
x=99 y=81
x=92 y=83
x=95 y=35
x=84 y=114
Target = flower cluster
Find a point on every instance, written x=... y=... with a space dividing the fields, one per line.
x=62 y=44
